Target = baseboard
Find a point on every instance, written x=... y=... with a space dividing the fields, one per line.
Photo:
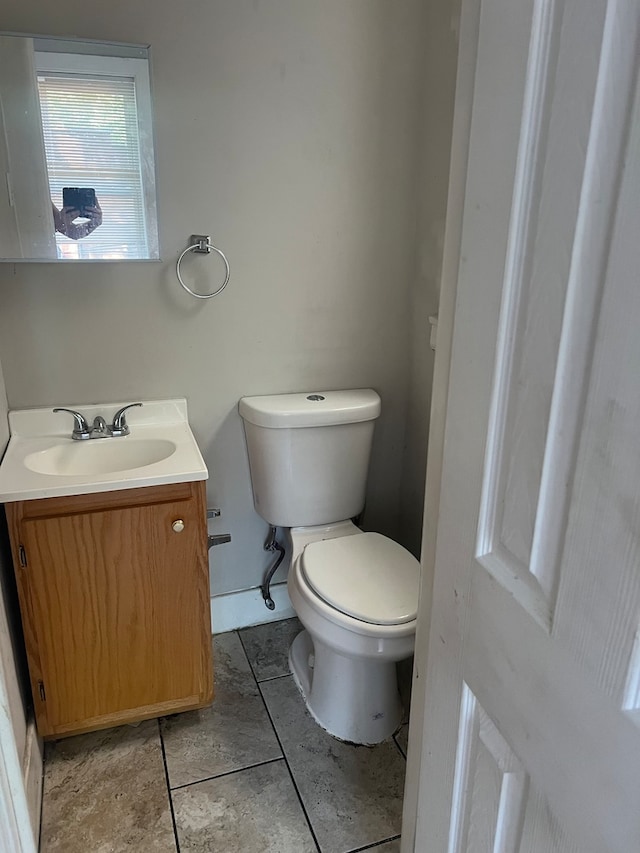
x=32 y=775
x=246 y=607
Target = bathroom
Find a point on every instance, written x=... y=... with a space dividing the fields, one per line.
x=366 y=166
x=311 y=141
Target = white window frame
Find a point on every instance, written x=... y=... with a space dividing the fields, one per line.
x=52 y=60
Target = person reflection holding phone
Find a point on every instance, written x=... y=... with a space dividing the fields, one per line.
x=64 y=220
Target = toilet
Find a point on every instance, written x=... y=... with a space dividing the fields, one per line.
x=355 y=593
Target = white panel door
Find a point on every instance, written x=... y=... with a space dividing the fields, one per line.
x=531 y=727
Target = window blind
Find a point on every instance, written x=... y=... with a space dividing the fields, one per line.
x=90 y=127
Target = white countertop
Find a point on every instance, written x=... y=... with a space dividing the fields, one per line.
x=36 y=431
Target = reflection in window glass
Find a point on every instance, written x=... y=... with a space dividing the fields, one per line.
x=92 y=140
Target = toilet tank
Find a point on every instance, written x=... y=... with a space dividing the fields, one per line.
x=309 y=454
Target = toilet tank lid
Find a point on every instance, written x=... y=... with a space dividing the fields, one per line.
x=311 y=408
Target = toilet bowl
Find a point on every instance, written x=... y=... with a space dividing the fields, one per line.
x=356 y=596
x=355 y=593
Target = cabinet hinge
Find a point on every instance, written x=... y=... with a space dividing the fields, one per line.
x=41 y=691
x=23 y=556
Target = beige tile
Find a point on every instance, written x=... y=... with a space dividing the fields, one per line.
x=106 y=792
x=388 y=847
x=267 y=647
x=234 y=732
x=253 y=811
x=352 y=794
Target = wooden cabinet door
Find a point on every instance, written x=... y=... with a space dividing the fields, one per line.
x=118 y=603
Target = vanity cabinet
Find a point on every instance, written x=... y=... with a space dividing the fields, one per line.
x=114 y=594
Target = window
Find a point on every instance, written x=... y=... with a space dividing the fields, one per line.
x=96 y=119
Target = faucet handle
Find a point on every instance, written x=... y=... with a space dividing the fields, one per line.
x=81 y=428
x=120 y=425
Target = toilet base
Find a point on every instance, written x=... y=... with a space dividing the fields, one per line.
x=354 y=699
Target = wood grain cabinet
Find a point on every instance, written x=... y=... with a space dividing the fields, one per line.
x=114 y=594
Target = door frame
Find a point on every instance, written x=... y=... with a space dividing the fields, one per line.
x=16 y=833
x=463 y=105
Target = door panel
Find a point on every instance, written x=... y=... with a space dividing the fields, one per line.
x=522 y=468
x=490 y=786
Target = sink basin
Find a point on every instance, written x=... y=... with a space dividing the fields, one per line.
x=42 y=461
x=99 y=456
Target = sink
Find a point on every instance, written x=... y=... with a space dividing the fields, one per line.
x=99 y=456
x=42 y=460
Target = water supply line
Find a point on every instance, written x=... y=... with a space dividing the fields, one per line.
x=216 y=538
x=272 y=545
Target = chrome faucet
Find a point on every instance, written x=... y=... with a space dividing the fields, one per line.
x=100 y=428
x=82 y=430
x=120 y=425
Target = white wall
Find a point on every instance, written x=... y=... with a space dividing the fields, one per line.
x=10 y=645
x=289 y=131
x=440 y=47
x=20 y=749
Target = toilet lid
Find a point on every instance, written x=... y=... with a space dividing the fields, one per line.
x=366 y=576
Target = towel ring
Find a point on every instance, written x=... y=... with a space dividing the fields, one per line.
x=200 y=244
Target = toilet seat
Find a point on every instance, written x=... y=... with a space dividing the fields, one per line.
x=366 y=576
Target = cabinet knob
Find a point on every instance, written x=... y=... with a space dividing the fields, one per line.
x=178 y=525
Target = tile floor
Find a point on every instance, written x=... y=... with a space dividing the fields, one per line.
x=251 y=774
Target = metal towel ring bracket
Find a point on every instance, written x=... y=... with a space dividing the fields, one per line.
x=199 y=243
